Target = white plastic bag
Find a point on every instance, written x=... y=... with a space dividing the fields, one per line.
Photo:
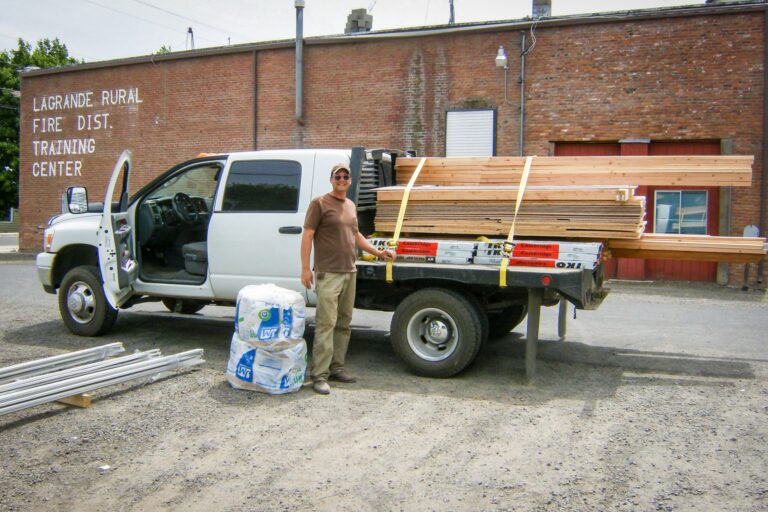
x=267 y=314
x=268 y=370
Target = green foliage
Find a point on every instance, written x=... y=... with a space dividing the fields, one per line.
x=163 y=50
x=46 y=54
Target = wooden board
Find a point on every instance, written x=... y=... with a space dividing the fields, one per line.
x=721 y=170
x=83 y=400
x=690 y=247
x=575 y=212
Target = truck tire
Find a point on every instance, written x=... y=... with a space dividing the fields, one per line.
x=437 y=332
x=82 y=303
x=501 y=323
x=183 y=306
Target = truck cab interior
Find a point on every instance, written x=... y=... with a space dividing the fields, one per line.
x=172 y=225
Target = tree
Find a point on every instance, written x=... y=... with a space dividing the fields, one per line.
x=46 y=54
x=164 y=50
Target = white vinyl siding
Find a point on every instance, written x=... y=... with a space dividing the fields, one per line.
x=470 y=133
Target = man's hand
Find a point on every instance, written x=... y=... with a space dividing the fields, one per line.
x=387 y=255
x=307 y=279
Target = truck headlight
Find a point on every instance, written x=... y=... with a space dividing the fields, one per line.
x=48 y=239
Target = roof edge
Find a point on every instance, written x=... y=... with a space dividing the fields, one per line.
x=486 y=26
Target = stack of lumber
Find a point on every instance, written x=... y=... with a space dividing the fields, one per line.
x=572 y=212
x=712 y=171
x=691 y=247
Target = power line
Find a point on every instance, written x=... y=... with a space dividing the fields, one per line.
x=141 y=19
x=129 y=14
x=228 y=32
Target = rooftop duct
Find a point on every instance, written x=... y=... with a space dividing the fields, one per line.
x=542 y=8
x=359 y=21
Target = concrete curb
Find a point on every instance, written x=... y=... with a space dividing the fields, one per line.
x=17 y=256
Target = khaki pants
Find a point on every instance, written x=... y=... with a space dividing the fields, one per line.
x=335 y=302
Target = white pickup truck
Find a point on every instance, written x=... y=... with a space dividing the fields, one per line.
x=207 y=227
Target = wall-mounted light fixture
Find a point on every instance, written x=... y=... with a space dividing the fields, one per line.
x=501 y=59
x=503 y=62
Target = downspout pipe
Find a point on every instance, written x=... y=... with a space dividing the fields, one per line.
x=299 y=61
x=764 y=183
x=523 y=53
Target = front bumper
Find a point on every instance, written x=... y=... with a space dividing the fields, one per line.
x=44 y=264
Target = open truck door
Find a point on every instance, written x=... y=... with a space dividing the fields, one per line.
x=116 y=243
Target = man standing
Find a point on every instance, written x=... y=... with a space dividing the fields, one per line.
x=331 y=226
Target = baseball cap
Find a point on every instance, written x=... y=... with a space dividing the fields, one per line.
x=339 y=168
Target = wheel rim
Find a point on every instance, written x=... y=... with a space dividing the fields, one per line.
x=81 y=302
x=432 y=334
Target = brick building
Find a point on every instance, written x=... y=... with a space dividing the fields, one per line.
x=686 y=80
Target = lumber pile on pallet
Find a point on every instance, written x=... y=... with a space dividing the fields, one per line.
x=576 y=212
x=588 y=198
x=713 y=171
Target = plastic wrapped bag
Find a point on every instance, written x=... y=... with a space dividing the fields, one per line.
x=267 y=315
x=266 y=369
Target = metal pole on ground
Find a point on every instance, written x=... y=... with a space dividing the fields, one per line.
x=532 y=337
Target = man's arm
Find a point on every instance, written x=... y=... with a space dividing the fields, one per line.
x=365 y=245
x=306 y=250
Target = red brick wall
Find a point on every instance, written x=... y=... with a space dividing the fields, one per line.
x=187 y=106
x=685 y=78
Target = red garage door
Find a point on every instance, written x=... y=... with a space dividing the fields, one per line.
x=674 y=210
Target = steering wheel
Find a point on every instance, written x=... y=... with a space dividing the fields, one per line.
x=185 y=208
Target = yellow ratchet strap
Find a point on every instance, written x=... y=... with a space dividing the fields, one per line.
x=508 y=246
x=392 y=243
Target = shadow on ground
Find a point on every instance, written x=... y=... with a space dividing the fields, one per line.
x=565 y=370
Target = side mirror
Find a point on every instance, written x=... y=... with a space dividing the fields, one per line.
x=77 y=199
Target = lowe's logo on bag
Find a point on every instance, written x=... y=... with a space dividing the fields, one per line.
x=270 y=323
x=244 y=370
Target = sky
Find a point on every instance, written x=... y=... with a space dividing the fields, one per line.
x=98 y=30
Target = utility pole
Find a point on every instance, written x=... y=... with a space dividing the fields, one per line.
x=452 y=20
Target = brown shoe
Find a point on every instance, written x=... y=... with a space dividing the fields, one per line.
x=343 y=376
x=322 y=387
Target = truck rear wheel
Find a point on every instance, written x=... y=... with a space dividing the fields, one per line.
x=82 y=303
x=437 y=332
x=501 y=323
x=183 y=306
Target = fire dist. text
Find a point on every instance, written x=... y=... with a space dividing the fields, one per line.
x=92 y=122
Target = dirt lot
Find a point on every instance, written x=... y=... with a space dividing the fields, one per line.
x=643 y=430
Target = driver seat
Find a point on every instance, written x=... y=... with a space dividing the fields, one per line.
x=195 y=257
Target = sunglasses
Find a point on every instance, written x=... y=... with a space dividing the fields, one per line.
x=338 y=177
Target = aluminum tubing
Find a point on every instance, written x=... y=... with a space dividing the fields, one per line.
x=89 y=354
x=39 y=380
x=86 y=388
x=67 y=386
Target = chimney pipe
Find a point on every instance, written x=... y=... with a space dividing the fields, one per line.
x=299 y=61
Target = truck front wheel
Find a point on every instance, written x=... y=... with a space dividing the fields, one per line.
x=82 y=303
x=437 y=332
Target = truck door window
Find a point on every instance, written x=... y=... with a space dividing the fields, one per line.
x=263 y=186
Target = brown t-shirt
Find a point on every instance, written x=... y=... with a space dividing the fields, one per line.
x=335 y=223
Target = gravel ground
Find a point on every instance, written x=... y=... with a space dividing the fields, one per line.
x=683 y=433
